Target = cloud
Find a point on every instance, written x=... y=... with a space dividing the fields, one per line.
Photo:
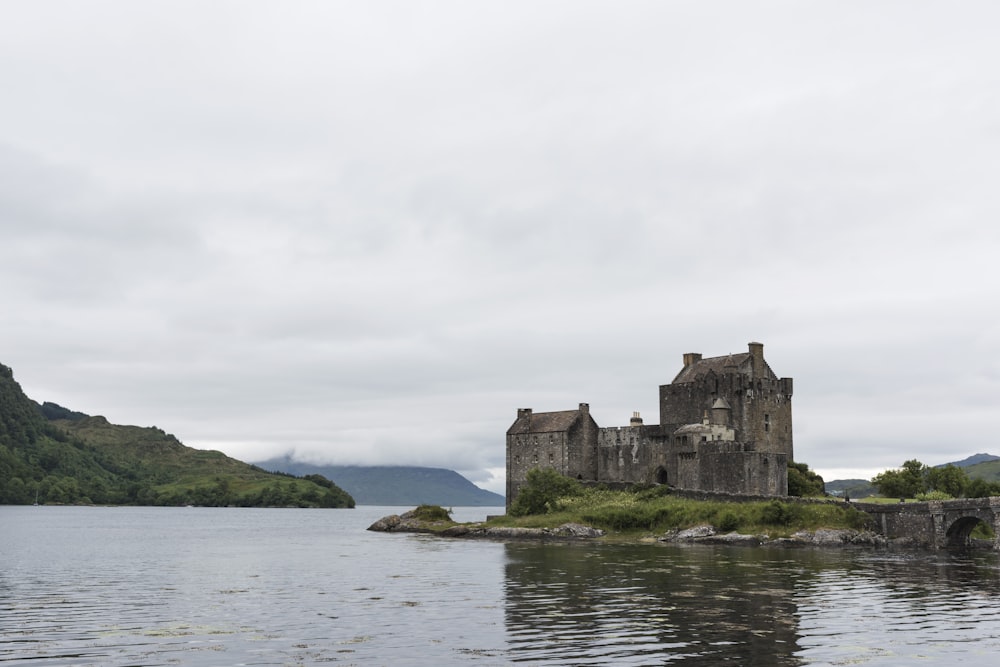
x=369 y=233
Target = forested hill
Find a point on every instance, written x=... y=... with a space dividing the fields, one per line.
x=396 y=485
x=56 y=455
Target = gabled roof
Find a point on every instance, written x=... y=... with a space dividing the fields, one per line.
x=719 y=365
x=544 y=422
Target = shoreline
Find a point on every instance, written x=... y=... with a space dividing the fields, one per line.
x=703 y=534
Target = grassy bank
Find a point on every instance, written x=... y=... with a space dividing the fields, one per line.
x=655 y=511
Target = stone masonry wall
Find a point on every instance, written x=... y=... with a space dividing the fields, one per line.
x=628 y=454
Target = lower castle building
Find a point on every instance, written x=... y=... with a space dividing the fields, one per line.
x=725 y=427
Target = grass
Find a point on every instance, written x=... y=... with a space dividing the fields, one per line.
x=879 y=500
x=651 y=510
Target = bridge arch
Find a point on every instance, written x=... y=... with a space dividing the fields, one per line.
x=937 y=524
x=959 y=533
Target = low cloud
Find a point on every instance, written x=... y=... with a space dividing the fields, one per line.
x=374 y=244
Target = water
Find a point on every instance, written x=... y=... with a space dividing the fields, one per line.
x=199 y=586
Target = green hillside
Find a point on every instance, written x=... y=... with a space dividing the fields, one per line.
x=851 y=488
x=56 y=455
x=988 y=470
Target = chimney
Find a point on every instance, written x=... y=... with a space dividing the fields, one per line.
x=757 y=359
x=691 y=358
x=524 y=413
x=585 y=408
x=636 y=420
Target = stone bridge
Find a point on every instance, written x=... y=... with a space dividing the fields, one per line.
x=936 y=524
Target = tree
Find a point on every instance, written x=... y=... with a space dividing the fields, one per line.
x=948 y=479
x=906 y=482
x=804 y=482
x=981 y=488
x=541 y=491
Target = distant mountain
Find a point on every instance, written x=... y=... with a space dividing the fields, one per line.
x=975 y=459
x=852 y=488
x=977 y=466
x=395 y=485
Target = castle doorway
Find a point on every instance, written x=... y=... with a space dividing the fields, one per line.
x=661 y=476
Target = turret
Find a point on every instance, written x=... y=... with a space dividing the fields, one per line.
x=720 y=412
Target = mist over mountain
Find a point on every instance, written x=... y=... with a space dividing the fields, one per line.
x=395 y=485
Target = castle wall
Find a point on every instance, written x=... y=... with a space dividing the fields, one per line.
x=732 y=467
x=582 y=448
x=630 y=454
x=534 y=450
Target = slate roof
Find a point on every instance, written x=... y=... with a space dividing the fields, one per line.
x=715 y=364
x=694 y=428
x=544 y=422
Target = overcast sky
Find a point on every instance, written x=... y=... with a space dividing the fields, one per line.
x=368 y=232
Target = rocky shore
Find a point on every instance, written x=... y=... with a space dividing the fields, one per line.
x=705 y=534
x=824 y=537
x=409 y=523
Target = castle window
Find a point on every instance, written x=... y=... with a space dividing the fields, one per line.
x=767 y=423
x=704 y=439
x=552 y=458
x=534 y=459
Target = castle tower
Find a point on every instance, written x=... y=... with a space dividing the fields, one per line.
x=759 y=403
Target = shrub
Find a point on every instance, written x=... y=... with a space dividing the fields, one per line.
x=431 y=513
x=727 y=521
x=858 y=520
x=776 y=513
x=641 y=517
x=651 y=492
x=541 y=492
x=934 y=495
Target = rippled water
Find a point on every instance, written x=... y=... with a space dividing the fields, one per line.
x=193 y=586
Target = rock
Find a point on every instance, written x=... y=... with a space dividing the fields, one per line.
x=828 y=537
x=408 y=523
x=577 y=530
x=386 y=523
x=735 y=538
x=695 y=533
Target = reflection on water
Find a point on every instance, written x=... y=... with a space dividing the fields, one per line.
x=160 y=586
x=898 y=609
x=648 y=605
x=645 y=605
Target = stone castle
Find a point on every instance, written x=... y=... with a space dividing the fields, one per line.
x=725 y=427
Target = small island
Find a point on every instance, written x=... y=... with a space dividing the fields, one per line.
x=551 y=506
